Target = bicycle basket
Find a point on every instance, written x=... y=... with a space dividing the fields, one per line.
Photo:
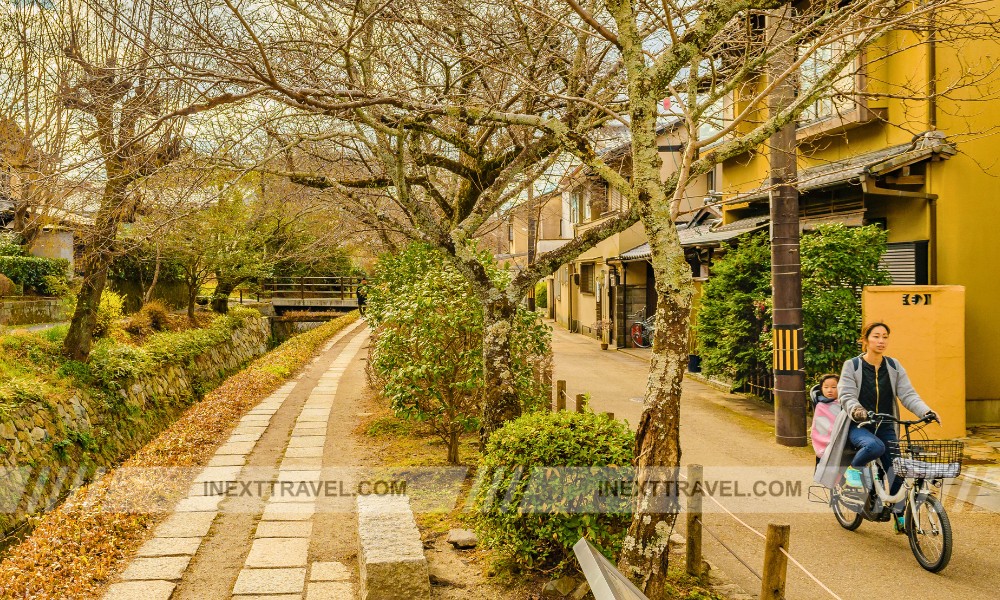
x=929 y=459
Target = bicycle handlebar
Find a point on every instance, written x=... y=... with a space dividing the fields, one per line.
x=873 y=416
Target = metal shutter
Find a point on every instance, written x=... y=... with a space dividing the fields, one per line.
x=906 y=262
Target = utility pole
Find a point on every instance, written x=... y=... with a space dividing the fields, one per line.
x=532 y=240
x=786 y=267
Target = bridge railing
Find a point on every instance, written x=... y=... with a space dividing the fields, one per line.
x=302 y=288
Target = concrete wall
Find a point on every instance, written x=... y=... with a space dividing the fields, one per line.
x=54 y=243
x=45 y=448
x=27 y=312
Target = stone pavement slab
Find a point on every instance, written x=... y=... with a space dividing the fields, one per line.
x=288 y=511
x=304 y=452
x=310 y=441
x=165 y=567
x=278 y=552
x=283 y=529
x=140 y=590
x=186 y=525
x=198 y=504
x=170 y=547
x=241 y=448
x=332 y=590
x=270 y=581
x=227 y=460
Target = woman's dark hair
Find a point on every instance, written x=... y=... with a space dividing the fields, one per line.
x=867 y=331
x=826 y=376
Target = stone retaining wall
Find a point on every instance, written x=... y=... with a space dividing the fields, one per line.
x=21 y=311
x=47 y=448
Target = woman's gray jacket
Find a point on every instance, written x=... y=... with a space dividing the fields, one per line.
x=838 y=454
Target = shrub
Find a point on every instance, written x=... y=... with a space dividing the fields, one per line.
x=7 y=287
x=734 y=320
x=541 y=295
x=10 y=245
x=31 y=272
x=153 y=316
x=428 y=349
x=531 y=512
x=158 y=314
x=109 y=313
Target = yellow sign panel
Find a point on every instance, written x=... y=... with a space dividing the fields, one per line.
x=927 y=336
x=787 y=349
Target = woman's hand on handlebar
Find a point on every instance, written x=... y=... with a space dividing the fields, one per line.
x=932 y=416
x=859 y=414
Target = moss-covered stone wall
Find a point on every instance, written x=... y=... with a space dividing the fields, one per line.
x=49 y=447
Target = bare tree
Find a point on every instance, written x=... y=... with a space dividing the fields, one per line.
x=454 y=107
x=126 y=116
x=34 y=125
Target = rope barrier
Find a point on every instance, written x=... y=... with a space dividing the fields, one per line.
x=762 y=536
x=731 y=551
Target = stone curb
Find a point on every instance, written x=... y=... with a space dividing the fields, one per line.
x=390 y=555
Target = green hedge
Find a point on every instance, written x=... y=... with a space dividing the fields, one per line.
x=30 y=272
x=10 y=245
x=112 y=363
x=541 y=483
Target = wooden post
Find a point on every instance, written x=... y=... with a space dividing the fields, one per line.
x=579 y=403
x=693 y=562
x=560 y=394
x=610 y=415
x=772 y=585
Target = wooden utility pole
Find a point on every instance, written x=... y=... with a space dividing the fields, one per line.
x=786 y=268
x=532 y=240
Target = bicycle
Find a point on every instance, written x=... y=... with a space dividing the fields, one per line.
x=923 y=464
x=642 y=329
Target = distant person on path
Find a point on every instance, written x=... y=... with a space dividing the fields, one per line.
x=362 y=294
x=870 y=382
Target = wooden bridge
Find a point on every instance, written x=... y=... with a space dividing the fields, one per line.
x=312 y=293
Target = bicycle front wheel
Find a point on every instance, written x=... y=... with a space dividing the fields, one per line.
x=929 y=531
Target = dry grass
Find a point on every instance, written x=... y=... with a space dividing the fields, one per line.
x=77 y=549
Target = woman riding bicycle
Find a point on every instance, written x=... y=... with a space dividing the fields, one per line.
x=871 y=383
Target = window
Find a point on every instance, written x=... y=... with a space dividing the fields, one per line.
x=510 y=231
x=842 y=96
x=587 y=278
x=574 y=207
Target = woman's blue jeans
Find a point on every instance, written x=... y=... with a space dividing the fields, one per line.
x=882 y=444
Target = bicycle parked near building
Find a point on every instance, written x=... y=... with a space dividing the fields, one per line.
x=924 y=465
x=642 y=329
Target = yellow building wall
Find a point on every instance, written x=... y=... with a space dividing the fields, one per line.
x=967 y=185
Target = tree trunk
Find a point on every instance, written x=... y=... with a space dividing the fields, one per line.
x=220 y=300
x=645 y=551
x=99 y=251
x=453 y=446
x=148 y=295
x=192 y=298
x=501 y=402
x=79 y=338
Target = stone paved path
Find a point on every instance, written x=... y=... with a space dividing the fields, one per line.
x=277 y=564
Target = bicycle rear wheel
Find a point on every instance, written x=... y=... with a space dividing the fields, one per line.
x=847 y=518
x=929 y=530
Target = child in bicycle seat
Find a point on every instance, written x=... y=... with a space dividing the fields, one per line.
x=872 y=382
x=825 y=410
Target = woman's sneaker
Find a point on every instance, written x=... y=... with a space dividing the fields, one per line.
x=852 y=477
x=899 y=523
